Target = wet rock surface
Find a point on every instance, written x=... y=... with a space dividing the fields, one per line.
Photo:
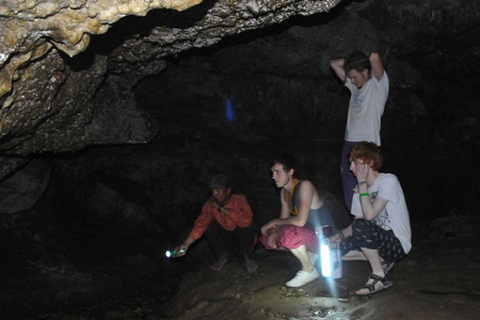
x=438 y=280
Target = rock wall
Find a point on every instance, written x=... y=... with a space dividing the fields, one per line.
x=56 y=91
x=64 y=88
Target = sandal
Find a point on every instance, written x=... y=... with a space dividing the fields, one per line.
x=218 y=265
x=371 y=287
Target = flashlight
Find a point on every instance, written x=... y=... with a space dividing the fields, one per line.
x=173 y=253
x=331 y=258
x=326 y=260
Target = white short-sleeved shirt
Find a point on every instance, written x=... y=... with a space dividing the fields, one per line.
x=395 y=215
x=366 y=109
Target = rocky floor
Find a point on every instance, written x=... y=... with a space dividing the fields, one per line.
x=438 y=280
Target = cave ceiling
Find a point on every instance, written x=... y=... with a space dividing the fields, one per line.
x=58 y=94
x=68 y=68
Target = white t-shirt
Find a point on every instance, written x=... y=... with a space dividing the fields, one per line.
x=395 y=215
x=366 y=109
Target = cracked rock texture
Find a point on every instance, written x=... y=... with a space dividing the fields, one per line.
x=56 y=95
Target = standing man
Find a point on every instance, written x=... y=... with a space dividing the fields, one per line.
x=380 y=232
x=368 y=83
x=226 y=220
x=302 y=210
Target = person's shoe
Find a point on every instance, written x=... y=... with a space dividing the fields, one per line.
x=374 y=284
x=218 y=265
x=251 y=266
x=302 y=278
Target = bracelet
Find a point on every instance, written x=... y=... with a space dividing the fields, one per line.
x=364 y=194
x=361 y=182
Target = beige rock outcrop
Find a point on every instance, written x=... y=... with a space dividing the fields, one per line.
x=57 y=97
x=68 y=25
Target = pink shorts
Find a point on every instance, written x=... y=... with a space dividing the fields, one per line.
x=292 y=237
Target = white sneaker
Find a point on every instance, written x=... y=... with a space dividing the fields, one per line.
x=303 y=278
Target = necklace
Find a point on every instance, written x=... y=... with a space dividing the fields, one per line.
x=289 y=196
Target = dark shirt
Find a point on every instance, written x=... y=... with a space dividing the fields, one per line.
x=319 y=217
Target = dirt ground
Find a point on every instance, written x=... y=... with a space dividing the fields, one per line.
x=440 y=279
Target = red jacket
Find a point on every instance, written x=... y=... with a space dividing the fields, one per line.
x=240 y=215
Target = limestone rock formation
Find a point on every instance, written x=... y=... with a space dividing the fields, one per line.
x=58 y=95
x=47 y=103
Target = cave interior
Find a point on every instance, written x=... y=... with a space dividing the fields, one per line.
x=99 y=226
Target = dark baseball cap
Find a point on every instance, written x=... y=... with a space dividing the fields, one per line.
x=220 y=181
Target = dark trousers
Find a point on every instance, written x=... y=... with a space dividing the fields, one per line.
x=240 y=241
x=366 y=234
x=349 y=181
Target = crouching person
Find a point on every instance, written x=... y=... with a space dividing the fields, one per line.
x=302 y=209
x=380 y=232
x=226 y=221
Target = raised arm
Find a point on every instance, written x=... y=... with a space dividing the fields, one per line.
x=377 y=65
x=370 y=209
x=238 y=211
x=337 y=66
